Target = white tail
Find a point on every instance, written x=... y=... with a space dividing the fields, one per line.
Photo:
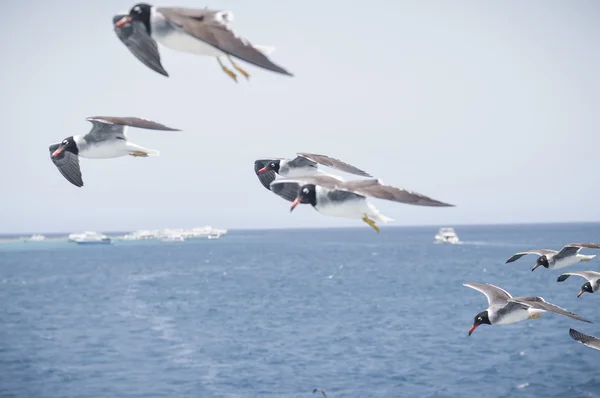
x=377 y=216
x=265 y=49
x=587 y=258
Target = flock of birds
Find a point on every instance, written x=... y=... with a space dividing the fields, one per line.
x=505 y=309
x=299 y=180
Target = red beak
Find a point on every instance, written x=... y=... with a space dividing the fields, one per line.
x=294 y=204
x=58 y=152
x=580 y=293
x=260 y=171
x=472 y=329
x=123 y=21
x=535 y=266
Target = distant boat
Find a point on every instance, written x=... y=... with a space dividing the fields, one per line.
x=173 y=238
x=90 y=238
x=446 y=235
x=35 y=238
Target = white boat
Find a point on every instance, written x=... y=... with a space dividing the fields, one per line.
x=90 y=238
x=446 y=235
x=35 y=238
x=173 y=238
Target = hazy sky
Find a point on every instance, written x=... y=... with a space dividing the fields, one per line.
x=492 y=106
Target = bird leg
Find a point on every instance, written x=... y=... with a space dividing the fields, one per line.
x=227 y=70
x=238 y=68
x=139 y=154
x=534 y=316
x=371 y=223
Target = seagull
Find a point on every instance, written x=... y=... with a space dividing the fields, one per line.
x=334 y=197
x=304 y=164
x=197 y=31
x=593 y=280
x=320 y=390
x=106 y=139
x=585 y=339
x=552 y=259
x=504 y=308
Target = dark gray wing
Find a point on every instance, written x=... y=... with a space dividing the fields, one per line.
x=589 y=275
x=585 y=339
x=333 y=163
x=395 y=194
x=323 y=180
x=288 y=191
x=136 y=38
x=210 y=27
x=541 y=304
x=573 y=248
x=494 y=294
x=110 y=127
x=540 y=252
x=68 y=165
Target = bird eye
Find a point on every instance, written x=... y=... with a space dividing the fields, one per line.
x=479 y=319
x=305 y=190
x=136 y=9
x=65 y=142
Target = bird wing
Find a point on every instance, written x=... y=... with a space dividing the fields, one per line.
x=585 y=339
x=333 y=163
x=111 y=127
x=541 y=304
x=375 y=188
x=540 y=252
x=136 y=38
x=210 y=27
x=494 y=294
x=68 y=165
x=323 y=180
x=573 y=248
x=288 y=192
x=589 y=275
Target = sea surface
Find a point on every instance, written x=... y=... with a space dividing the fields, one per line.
x=278 y=313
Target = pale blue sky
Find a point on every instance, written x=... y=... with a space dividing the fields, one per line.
x=492 y=106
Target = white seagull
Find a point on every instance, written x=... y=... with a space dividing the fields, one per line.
x=593 y=280
x=504 y=309
x=198 y=31
x=553 y=259
x=348 y=199
x=106 y=139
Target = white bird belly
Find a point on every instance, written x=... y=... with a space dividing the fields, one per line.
x=566 y=262
x=355 y=209
x=172 y=37
x=105 y=150
x=514 y=316
x=294 y=172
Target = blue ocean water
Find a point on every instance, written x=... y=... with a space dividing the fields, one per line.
x=278 y=313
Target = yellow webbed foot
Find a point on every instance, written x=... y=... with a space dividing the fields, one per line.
x=238 y=68
x=227 y=70
x=371 y=223
x=139 y=154
x=534 y=316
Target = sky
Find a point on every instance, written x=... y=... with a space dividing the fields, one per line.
x=491 y=106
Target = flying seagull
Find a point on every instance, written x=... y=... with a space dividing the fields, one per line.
x=106 y=139
x=593 y=280
x=553 y=259
x=334 y=197
x=504 y=309
x=319 y=390
x=304 y=164
x=198 y=31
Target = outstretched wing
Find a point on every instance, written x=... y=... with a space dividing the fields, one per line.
x=136 y=38
x=68 y=165
x=333 y=163
x=541 y=304
x=111 y=127
x=211 y=27
x=589 y=275
x=494 y=294
x=585 y=339
x=378 y=190
x=540 y=252
x=288 y=192
x=573 y=248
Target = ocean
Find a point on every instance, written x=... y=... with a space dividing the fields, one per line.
x=277 y=313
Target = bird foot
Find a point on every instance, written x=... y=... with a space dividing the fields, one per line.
x=534 y=316
x=139 y=154
x=230 y=73
x=371 y=223
x=238 y=68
